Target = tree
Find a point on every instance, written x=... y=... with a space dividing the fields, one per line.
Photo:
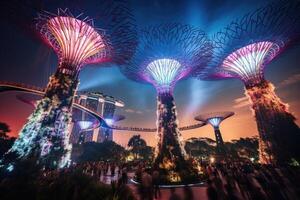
x=5 y=141
x=246 y=148
x=4 y=129
x=137 y=144
x=107 y=150
x=200 y=147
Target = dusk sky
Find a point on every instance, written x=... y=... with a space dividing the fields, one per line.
x=25 y=59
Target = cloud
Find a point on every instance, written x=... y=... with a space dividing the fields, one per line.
x=241 y=102
x=291 y=80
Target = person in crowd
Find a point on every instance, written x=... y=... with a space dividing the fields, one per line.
x=211 y=191
x=112 y=169
x=124 y=177
x=188 y=193
x=174 y=196
x=155 y=179
x=146 y=186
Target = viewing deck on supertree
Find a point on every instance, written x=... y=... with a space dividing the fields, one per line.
x=76 y=43
x=242 y=50
x=165 y=55
x=215 y=120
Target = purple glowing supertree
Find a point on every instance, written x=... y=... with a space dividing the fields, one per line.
x=242 y=51
x=165 y=55
x=76 y=43
x=215 y=120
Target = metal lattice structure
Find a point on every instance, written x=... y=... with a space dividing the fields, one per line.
x=247 y=45
x=173 y=51
x=166 y=54
x=116 y=18
x=214 y=118
x=242 y=50
x=75 y=41
x=112 y=17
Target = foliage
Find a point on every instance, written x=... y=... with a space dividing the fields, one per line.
x=246 y=148
x=200 y=147
x=243 y=148
x=59 y=185
x=107 y=150
x=5 y=145
x=139 y=148
x=4 y=129
x=136 y=141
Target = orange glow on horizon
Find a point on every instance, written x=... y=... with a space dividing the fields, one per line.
x=242 y=124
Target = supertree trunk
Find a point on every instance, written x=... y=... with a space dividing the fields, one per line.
x=279 y=135
x=220 y=150
x=46 y=134
x=169 y=153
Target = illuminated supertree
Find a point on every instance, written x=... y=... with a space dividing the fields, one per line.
x=165 y=55
x=84 y=126
x=215 y=120
x=242 y=51
x=76 y=43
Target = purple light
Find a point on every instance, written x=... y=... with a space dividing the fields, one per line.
x=75 y=41
x=247 y=63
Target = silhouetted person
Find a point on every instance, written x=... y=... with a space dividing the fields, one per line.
x=211 y=191
x=112 y=169
x=155 y=180
x=188 y=193
x=174 y=196
x=146 y=189
x=124 y=177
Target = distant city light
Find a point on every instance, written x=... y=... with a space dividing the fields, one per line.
x=85 y=124
x=164 y=70
x=119 y=104
x=215 y=122
x=247 y=62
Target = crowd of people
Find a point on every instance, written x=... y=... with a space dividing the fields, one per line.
x=233 y=181
x=106 y=172
x=252 y=182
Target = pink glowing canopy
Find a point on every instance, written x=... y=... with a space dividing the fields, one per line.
x=247 y=63
x=75 y=41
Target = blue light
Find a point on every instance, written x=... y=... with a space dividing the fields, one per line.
x=84 y=124
x=164 y=71
x=109 y=121
x=10 y=167
x=215 y=122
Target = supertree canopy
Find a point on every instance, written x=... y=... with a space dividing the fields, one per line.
x=76 y=43
x=242 y=51
x=215 y=120
x=166 y=54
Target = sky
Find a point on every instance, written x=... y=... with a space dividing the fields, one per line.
x=24 y=59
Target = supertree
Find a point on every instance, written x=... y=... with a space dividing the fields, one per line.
x=166 y=54
x=84 y=126
x=242 y=50
x=215 y=120
x=76 y=43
